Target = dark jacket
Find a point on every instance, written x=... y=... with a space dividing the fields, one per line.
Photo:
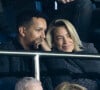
x=20 y=66
x=75 y=70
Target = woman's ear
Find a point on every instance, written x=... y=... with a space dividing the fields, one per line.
x=22 y=31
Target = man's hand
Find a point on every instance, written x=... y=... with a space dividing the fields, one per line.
x=43 y=43
x=36 y=43
x=65 y=1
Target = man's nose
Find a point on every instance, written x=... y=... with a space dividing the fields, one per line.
x=43 y=34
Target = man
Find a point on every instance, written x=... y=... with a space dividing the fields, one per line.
x=31 y=30
x=28 y=83
x=31 y=27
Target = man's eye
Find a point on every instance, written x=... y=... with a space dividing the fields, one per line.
x=58 y=38
x=38 y=29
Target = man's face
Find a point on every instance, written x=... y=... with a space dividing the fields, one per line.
x=34 y=34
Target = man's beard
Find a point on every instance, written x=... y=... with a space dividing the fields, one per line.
x=36 y=44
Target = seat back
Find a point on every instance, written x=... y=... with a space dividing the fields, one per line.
x=95 y=37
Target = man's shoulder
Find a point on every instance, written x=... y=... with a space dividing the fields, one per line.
x=8 y=45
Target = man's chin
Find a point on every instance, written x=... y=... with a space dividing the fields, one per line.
x=35 y=47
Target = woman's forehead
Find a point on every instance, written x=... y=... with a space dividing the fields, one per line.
x=60 y=29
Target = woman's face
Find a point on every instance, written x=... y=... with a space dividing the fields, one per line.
x=62 y=40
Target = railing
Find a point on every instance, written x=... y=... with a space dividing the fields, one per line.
x=37 y=54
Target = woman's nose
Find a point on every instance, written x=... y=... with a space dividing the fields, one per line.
x=65 y=40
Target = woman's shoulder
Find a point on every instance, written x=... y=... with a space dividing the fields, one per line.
x=89 y=47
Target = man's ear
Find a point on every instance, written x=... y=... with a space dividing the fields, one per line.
x=22 y=31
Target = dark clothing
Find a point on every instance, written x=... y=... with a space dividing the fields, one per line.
x=79 y=12
x=75 y=70
x=13 y=64
x=19 y=66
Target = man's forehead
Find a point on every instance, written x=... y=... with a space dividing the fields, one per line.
x=38 y=19
x=39 y=22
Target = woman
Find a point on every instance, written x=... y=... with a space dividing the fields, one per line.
x=62 y=37
x=62 y=29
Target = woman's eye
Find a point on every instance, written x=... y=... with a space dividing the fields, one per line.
x=59 y=38
x=68 y=35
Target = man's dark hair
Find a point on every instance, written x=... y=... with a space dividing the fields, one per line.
x=25 y=17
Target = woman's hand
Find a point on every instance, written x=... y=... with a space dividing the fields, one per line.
x=45 y=45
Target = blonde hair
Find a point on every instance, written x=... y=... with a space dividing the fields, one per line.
x=71 y=30
x=68 y=86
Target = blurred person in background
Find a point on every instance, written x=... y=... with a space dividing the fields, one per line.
x=69 y=86
x=79 y=12
x=28 y=83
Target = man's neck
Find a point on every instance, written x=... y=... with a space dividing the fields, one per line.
x=24 y=45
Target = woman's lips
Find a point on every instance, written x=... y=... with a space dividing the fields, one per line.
x=66 y=46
